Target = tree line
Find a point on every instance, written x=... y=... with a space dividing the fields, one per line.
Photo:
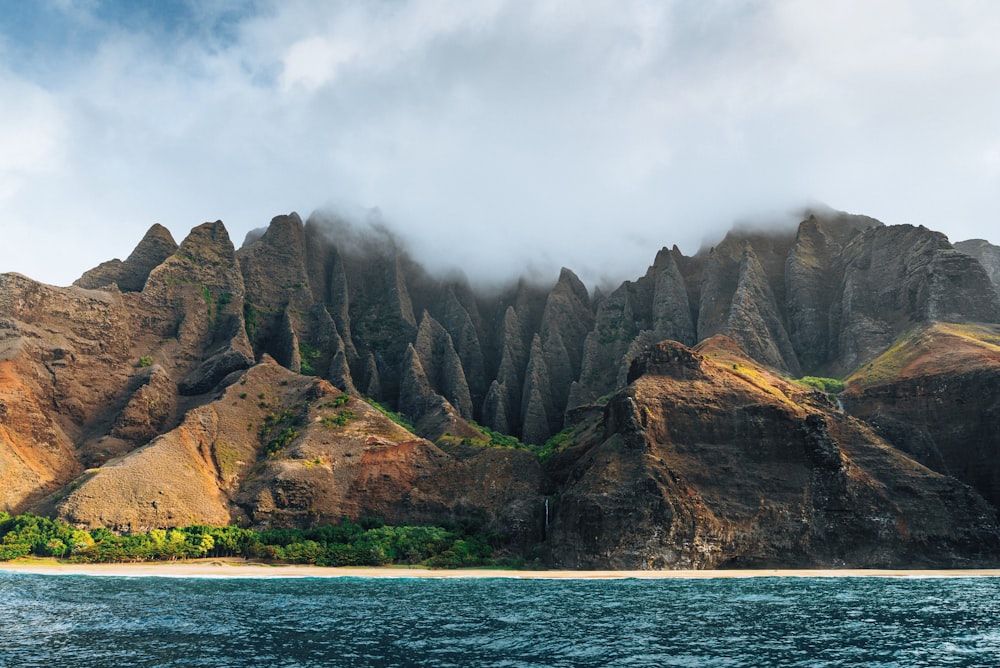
x=368 y=542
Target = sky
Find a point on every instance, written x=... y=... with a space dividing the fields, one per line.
x=499 y=136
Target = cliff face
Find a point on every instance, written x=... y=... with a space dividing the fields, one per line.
x=203 y=383
x=934 y=396
x=821 y=300
x=987 y=254
x=707 y=460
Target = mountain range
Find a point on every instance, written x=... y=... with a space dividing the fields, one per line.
x=824 y=395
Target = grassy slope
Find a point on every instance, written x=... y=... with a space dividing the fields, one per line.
x=931 y=350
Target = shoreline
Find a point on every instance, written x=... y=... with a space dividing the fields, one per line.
x=235 y=568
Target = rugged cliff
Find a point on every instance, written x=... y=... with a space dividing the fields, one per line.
x=204 y=383
x=708 y=460
x=934 y=395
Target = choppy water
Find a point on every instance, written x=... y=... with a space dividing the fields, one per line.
x=48 y=620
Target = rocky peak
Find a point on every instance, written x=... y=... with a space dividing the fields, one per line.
x=812 y=282
x=896 y=277
x=274 y=266
x=206 y=260
x=719 y=279
x=671 y=311
x=462 y=327
x=988 y=256
x=195 y=299
x=754 y=319
x=441 y=364
x=556 y=357
x=130 y=276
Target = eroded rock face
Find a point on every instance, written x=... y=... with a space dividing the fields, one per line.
x=131 y=275
x=316 y=456
x=812 y=284
x=900 y=276
x=935 y=397
x=707 y=460
x=101 y=372
x=202 y=385
x=987 y=254
x=820 y=301
x=653 y=308
x=65 y=356
x=556 y=358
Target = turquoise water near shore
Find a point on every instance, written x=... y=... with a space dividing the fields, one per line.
x=49 y=620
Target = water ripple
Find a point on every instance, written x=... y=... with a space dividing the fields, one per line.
x=121 y=622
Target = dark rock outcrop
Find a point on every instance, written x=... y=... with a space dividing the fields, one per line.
x=812 y=284
x=442 y=365
x=556 y=356
x=897 y=277
x=707 y=461
x=653 y=308
x=131 y=275
x=987 y=254
x=934 y=397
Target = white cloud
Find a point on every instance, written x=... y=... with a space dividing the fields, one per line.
x=31 y=133
x=498 y=134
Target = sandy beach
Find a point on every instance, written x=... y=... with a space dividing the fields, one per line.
x=227 y=568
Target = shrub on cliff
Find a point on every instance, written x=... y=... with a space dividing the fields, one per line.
x=828 y=385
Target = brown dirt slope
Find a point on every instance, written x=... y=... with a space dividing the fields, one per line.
x=280 y=449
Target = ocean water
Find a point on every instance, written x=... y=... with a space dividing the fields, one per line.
x=52 y=620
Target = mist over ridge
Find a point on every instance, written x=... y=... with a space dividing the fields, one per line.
x=490 y=267
x=527 y=133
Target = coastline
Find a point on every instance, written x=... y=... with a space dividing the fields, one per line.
x=235 y=568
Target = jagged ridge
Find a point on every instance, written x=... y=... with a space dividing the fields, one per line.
x=149 y=368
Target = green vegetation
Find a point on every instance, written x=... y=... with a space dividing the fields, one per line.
x=978 y=333
x=367 y=543
x=213 y=305
x=499 y=440
x=490 y=439
x=609 y=334
x=278 y=443
x=558 y=442
x=494 y=439
x=144 y=361
x=392 y=415
x=336 y=403
x=250 y=320
x=828 y=385
x=279 y=429
x=308 y=356
x=227 y=458
x=340 y=419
